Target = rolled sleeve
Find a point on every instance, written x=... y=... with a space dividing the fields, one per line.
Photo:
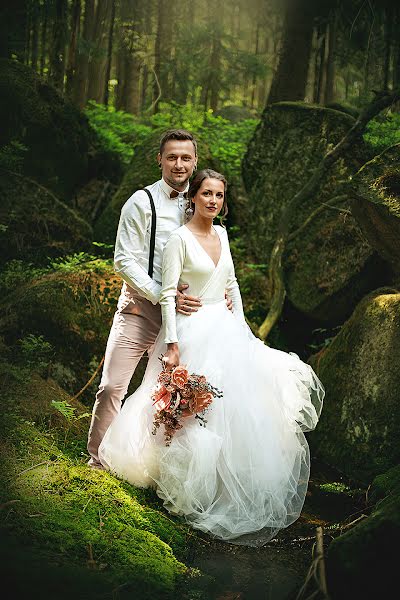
x=133 y=228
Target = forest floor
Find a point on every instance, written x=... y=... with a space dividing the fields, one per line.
x=279 y=570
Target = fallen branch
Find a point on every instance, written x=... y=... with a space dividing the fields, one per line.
x=90 y=381
x=352 y=523
x=316 y=570
x=275 y=266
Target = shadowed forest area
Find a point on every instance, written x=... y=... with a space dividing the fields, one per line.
x=297 y=102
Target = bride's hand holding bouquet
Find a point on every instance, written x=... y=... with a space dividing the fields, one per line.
x=179 y=394
x=171 y=358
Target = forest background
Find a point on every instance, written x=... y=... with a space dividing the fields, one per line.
x=269 y=88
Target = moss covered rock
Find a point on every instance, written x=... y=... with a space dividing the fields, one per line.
x=71 y=309
x=363 y=563
x=359 y=431
x=328 y=265
x=35 y=224
x=376 y=204
x=56 y=135
x=143 y=170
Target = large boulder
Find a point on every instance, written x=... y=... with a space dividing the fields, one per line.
x=328 y=265
x=60 y=149
x=359 y=430
x=70 y=308
x=363 y=562
x=376 y=204
x=143 y=170
x=36 y=225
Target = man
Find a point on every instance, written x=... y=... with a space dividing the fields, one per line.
x=137 y=320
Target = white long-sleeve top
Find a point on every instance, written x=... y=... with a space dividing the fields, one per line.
x=186 y=261
x=131 y=256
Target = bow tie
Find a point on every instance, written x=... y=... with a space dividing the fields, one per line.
x=175 y=194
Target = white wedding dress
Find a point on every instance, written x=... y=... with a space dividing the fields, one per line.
x=243 y=476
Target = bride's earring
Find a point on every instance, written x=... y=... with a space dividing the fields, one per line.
x=189 y=209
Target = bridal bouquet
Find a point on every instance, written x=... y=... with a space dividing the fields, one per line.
x=179 y=394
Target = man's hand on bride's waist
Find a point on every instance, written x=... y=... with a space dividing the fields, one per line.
x=186 y=304
x=229 y=302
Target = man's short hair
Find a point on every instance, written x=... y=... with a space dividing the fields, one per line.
x=177 y=134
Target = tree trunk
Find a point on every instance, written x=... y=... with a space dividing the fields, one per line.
x=290 y=79
x=98 y=56
x=109 y=54
x=319 y=64
x=396 y=53
x=58 y=43
x=214 y=79
x=27 y=51
x=163 y=53
x=43 y=38
x=84 y=49
x=35 y=37
x=129 y=63
x=388 y=22
x=71 y=61
x=330 y=62
x=13 y=22
x=256 y=52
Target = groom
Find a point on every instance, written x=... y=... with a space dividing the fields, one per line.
x=137 y=320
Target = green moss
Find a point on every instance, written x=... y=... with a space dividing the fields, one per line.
x=55 y=133
x=328 y=266
x=376 y=203
x=362 y=563
x=35 y=225
x=359 y=371
x=86 y=517
x=71 y=309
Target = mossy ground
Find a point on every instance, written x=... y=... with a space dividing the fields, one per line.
x=69 y=518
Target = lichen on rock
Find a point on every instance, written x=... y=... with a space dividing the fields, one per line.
x=328 y=266
x=376 y=204
x=359 y=430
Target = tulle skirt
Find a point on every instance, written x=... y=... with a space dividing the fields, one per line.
x=243 y=476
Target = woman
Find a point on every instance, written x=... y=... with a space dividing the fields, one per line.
x=244 y=475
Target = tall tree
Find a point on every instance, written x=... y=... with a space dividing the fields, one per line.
x=129 y=57
x=13 y=25
x=163 y=53
x=109 y=53
x=330 y=60
x=290 y=79
x=98 y=54
x=72 y=49
x=58 y=45
x=35 y=15
x=84 y=48
x=43 y=36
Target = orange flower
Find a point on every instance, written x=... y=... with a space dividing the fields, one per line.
x=201 y=401
x=179 y=376
x=162 y=397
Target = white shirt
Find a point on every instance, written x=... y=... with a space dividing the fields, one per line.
x=132 y=246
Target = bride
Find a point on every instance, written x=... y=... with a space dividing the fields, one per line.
x=243 y=476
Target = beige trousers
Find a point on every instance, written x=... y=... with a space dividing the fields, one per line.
x=135 y=327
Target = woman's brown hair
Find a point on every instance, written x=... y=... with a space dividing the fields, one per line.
x=196 y=184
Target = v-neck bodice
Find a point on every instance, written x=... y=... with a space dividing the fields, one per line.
x=185 y=261
x=204 y=250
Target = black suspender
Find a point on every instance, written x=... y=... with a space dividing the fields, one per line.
x=153 y=232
